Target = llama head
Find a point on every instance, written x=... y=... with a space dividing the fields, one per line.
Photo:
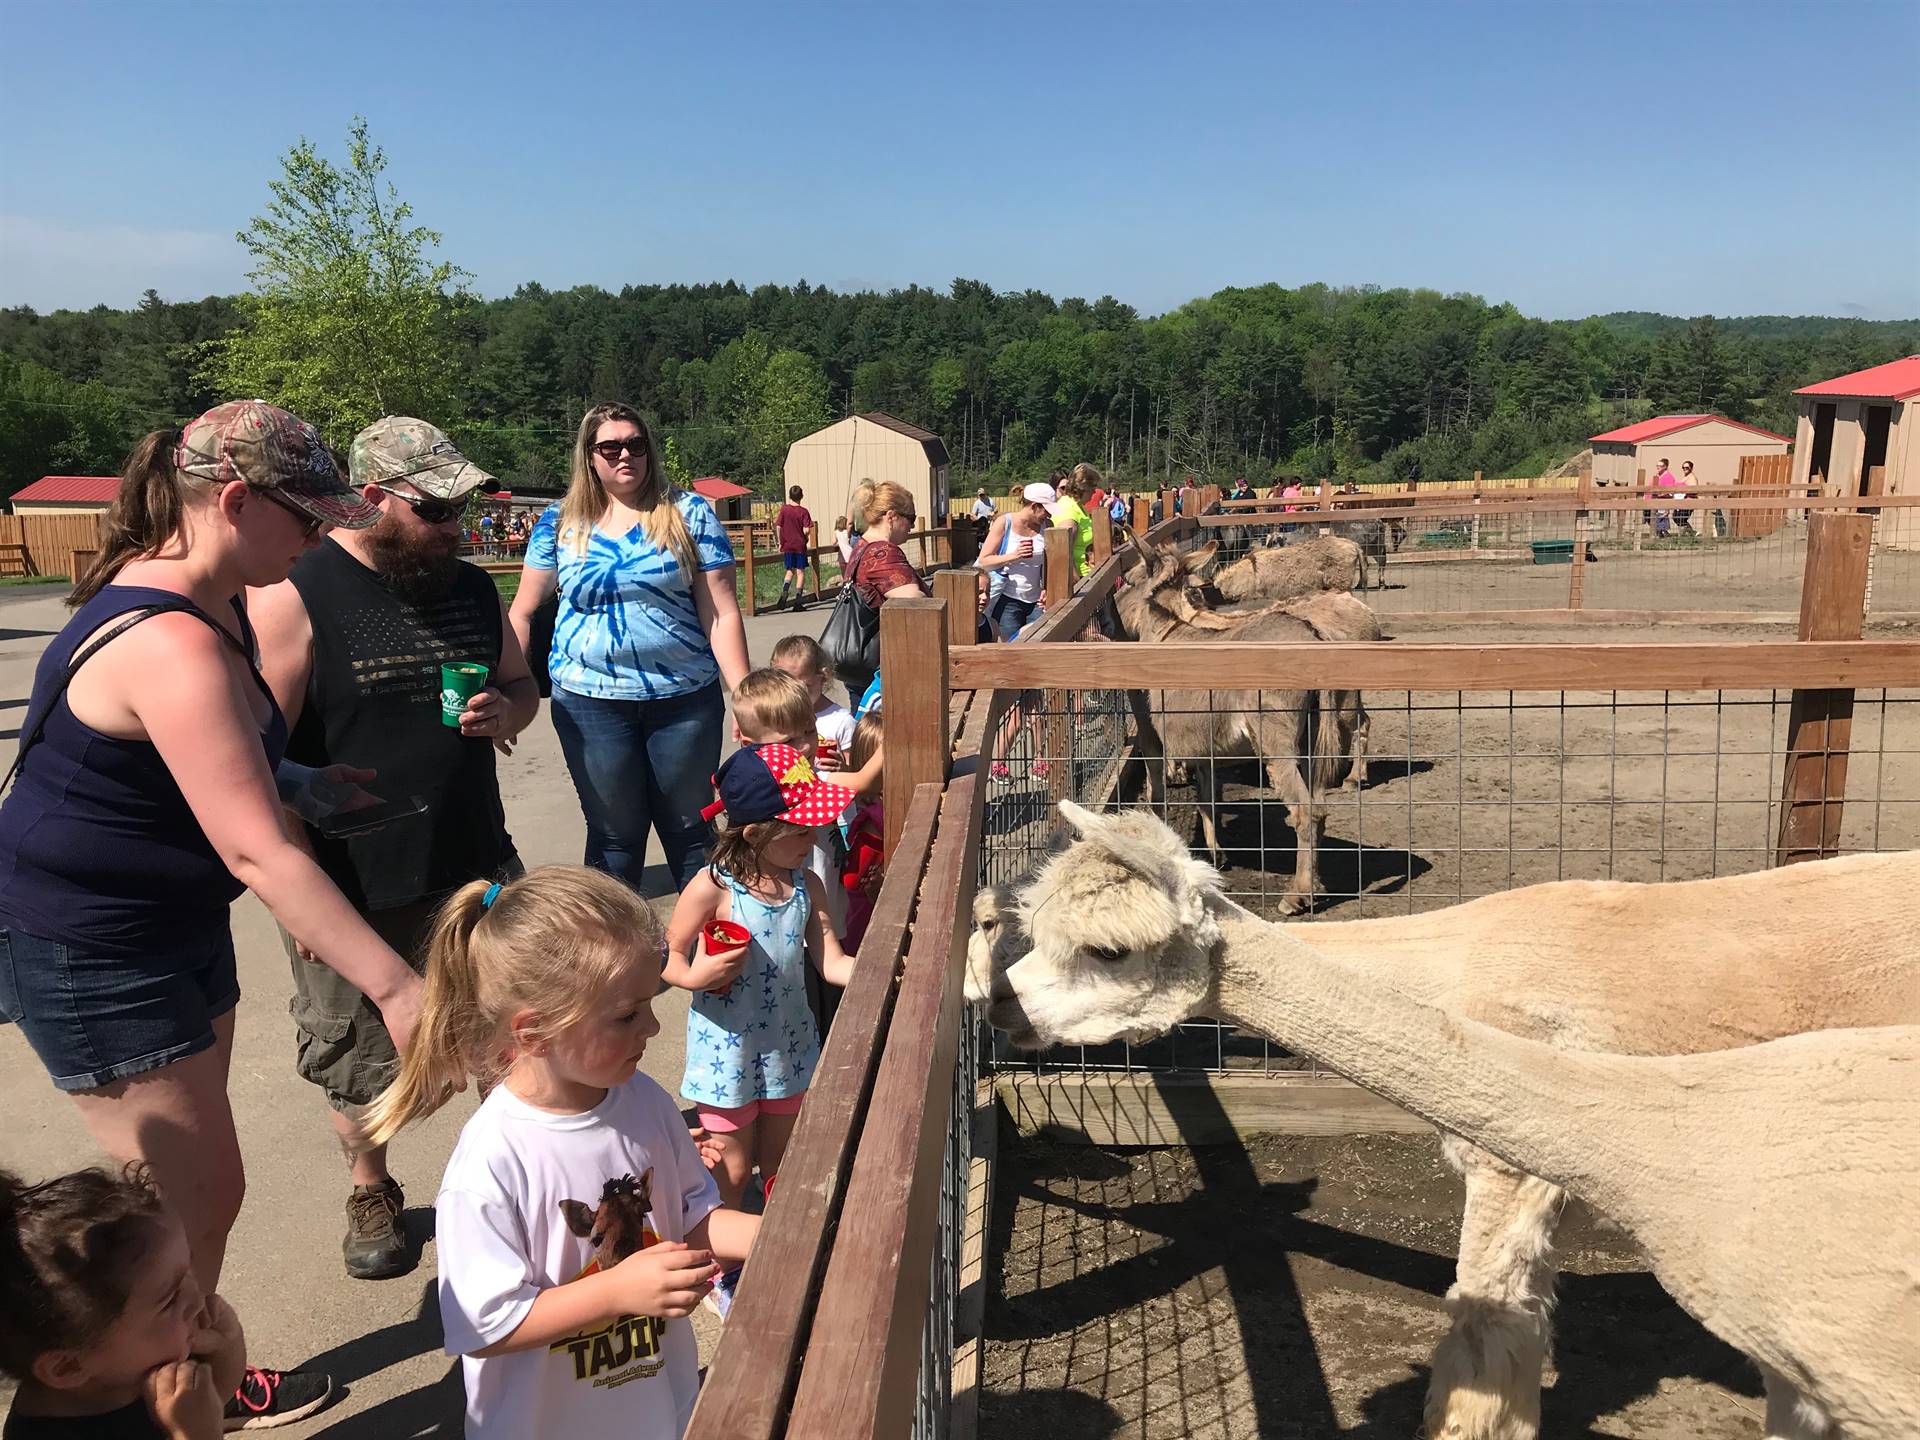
x=1115 y=938
x=1158 y=582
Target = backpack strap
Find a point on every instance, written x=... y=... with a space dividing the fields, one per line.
x=31 y=733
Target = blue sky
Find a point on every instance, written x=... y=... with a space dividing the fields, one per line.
x=1571 y=158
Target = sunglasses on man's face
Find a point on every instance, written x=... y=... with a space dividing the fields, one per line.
x=610 y=450
x=434 y=512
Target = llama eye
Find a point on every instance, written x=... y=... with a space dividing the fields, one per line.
x=1109 y=955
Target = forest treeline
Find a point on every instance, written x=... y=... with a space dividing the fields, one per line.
x=1376 y=385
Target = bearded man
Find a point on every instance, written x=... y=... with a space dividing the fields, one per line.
x=352 y=644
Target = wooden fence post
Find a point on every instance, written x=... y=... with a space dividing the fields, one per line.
x=1833 y=591
x=1059 y=572
x=750 y=603
x=1474 y=542
x=1577 y=583
x=913 y=678
x=1142 y=515
x=813 y=559
x=1639 y=516
x=1102 y=545
x=960 y=591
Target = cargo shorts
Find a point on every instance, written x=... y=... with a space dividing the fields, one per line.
x=340 y=1042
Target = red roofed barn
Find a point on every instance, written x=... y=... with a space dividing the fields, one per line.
x=729 y=501
x=1854 y=424
x=66 y=495
x=1713 y=443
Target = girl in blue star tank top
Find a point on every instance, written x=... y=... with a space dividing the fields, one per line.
x=751 y=1041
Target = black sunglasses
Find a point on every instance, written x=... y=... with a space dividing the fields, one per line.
x=434 y=512
x=309 y=527
x=609 y=450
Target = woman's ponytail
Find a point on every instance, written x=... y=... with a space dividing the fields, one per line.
x=144 y=515
x=450 y=1036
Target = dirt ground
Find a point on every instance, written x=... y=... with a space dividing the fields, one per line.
x=1293 y=1289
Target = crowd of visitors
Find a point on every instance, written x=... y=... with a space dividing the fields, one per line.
x=341 y=688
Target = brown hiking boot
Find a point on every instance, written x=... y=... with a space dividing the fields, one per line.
x=376 y=1245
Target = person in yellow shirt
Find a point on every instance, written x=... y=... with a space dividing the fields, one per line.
x=1075 y=489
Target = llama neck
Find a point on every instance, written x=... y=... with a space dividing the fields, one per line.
x=1560 y=1115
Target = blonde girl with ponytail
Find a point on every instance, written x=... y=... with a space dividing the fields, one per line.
x=646 y=631
x=577 y=1222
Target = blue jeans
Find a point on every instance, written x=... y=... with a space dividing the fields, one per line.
x=640 y=765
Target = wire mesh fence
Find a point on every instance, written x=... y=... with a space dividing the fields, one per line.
x=1448 y=795
x=1674 y=561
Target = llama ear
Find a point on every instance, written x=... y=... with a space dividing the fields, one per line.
x=1141 y=842
x=1083 y=820
x=1197 y=560
x=579 y=1217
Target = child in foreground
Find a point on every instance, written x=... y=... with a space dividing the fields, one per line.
x=102 y=1322
x=577 y=1224
x=751 y=1040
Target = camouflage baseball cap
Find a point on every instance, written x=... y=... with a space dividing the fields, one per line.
x=398 y=447
x=263 y=446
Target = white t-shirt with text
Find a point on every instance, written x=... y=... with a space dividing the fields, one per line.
x=504 y=1236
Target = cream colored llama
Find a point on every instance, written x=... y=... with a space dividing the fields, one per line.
x=1126 y=934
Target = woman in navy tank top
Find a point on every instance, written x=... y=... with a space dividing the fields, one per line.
x=145 y=801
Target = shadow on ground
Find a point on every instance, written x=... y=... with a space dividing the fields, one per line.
x=1293 y=1287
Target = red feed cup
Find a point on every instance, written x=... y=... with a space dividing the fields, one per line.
x=723 y=936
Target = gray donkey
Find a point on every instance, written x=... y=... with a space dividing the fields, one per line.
x=1303 y=739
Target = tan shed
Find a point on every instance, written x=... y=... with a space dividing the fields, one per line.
x=66 y=495
x=1713 y=443
x=829 y=463
x=1853 y=423
x=1860 y=434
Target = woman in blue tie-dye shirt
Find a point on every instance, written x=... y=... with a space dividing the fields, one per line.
x=648 y=630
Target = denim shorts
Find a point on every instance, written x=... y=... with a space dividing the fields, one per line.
x=96 y=1019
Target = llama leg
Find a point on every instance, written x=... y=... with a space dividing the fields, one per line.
x=1790 y=1415
x=1206 y=776
x=1486 y=1371
x=1359 y=733
x=1308 y=821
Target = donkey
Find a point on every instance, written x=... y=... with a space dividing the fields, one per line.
x=1290 y=572
x=1303 y=739
x=618 y=1227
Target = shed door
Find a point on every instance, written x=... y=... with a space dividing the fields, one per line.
x=1877 y=423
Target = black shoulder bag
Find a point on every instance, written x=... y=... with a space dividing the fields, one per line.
x=851 y=640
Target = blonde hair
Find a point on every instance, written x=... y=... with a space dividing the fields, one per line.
x=552 y=942
x=867 y=736
x=770 y=704
x=586 y=499
x=1083 y=481
x=874 y=499
x=801 y=651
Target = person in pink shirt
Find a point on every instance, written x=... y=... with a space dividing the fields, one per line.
x=1663 y=519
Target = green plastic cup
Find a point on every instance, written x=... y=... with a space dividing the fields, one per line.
x=459 y=683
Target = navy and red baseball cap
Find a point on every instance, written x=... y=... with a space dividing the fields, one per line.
x=775 y=782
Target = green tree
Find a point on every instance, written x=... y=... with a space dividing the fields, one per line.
x=350 y=317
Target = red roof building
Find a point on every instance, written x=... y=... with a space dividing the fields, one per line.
x=729 y=501
x=1896 y=380
x=67 y=492
x=1663 y=425
x=1860 y=434
x=1715 y=444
